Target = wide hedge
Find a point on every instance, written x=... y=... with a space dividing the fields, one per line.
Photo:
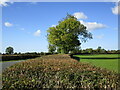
x=57 y=71
x=18 y=57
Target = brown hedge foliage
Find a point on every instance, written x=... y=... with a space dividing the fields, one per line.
x=57 y=71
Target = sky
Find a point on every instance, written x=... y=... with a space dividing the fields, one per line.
x=25 y=24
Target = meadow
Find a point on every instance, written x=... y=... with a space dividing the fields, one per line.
x=107 y=61
x=57 y=71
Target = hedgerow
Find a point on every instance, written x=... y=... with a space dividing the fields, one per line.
x=57 y=71
x=18 y=57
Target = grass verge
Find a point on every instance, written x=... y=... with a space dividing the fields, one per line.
x=110 y=64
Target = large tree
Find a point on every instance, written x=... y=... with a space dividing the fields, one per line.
x=51 y=48
x=65 y=35
x=9 y=50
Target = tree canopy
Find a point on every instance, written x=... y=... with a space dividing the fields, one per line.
x=51 y=48
x=9 y=50
x=65 y=35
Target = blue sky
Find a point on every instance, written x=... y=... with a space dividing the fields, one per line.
x=25 y=24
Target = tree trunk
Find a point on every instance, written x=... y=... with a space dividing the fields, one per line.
x=64 y=51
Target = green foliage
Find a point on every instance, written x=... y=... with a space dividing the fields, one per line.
x=9 y=50
x=75 y=50
x=99 y=50
x=42 y=53
x=22 y=56
x=90 y=50
x=51 y=48
x=18 y=57
x=57 y=71
x=65 y=35
x=58 y=50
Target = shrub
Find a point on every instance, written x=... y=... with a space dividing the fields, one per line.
x=57 y=71
x=18 y=57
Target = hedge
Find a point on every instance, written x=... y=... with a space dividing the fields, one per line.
x=17 y=57
x=57 y=71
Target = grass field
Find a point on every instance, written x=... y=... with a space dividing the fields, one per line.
x=107 y=61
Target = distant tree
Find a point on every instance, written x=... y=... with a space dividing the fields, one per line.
x=103 y=51
x=65 y=35
x=35 y=53
x=118 y=51
x=31 y=53
x=42 y=53
x=19 y=53
x=76 y=50
x=15 y=53
x=84 y=51
x=80 y=51
x=51 y=48
x=113 y=51
x=89 y=50
x=98 y=49
x=9 y=50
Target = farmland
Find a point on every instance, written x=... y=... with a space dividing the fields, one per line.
x=108 y=61
x=57 y=71
x=59 y=45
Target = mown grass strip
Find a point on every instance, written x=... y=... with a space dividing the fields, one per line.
x=110 y=63
x=97 y=56
x=107 y=64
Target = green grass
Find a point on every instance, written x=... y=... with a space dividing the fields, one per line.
x=110 y=64
x=99 y=56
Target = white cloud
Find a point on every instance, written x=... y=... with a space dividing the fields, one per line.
x=80 y=15
x=37 y=33
x=5 y=2
x=53 y=26
x=7 y=24
x=116 y=10
x=92 y=25
x=100 y=36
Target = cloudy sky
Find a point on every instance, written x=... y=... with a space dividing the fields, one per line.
x=25 y=24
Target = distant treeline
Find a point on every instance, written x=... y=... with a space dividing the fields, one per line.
x=99 y=50
x=28 y=53
x=17 y=57
x=22 y=56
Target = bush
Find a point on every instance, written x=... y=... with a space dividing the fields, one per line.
x=18 y=57
x=57 y=71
